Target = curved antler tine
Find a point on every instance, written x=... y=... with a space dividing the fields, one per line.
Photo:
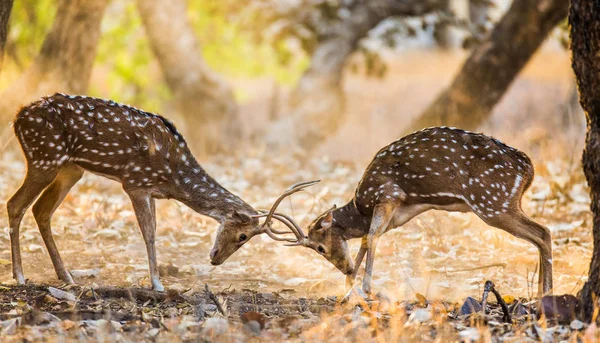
x=291 y=225
x=263 y=213
x=295 y=244
x=291 y=190
x=298 y=231
x=274 y=237
x=302 y=185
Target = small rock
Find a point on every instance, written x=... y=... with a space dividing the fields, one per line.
x=254 y=317
x=252 y=327
x=153 y=332
x=577 y=325
x=561 y=308
x=85 y=273
x=9 y=327
x=215 y=326
x=420 y=315
x=471 y=305
x=470 y=335
x=60 y=294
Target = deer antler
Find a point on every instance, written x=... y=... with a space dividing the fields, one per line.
x=284 y=218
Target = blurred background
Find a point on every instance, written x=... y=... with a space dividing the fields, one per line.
x=336 y=77
x=272 y=92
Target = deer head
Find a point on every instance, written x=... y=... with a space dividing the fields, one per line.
x=327 y=239
x=234 y=232
x=241 y=227
x=324 y=237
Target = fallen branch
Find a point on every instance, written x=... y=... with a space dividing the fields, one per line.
x=214 y=298
x=489 y=287
x=500 y=264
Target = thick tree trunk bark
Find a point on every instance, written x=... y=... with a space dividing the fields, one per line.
x=584 y=17
x=5 y=9
x=317 y=102
x=202 y=97
x=493 y=65
x=66 y=58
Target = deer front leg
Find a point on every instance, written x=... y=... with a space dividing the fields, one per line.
x=382 y=215
x=359 y=257
x=143 y=205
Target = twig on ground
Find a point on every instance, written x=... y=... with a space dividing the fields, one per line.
x=214 y=298
x=489 y=287
x=500 y=264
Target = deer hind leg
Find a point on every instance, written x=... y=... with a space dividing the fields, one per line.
x=143 y=206
x=521 y=226
x=35 y=182
x=44 y=208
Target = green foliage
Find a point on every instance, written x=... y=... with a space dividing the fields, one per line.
x=29 y=22
x=229 y=48
x=125 y=68
x=124 y=60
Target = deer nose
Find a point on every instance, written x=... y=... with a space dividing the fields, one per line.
x=213 y=253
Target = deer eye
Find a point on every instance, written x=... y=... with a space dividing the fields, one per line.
x=243 y=237
x=320 y=249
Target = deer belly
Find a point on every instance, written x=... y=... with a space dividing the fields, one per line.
x=98 y=168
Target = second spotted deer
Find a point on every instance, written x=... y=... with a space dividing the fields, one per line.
x=436 y=168
x=62 y=136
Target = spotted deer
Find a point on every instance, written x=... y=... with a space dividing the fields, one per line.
x=436 y=168
x=62 y=136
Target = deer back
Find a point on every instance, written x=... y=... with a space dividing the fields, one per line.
x=445 y=166
x=134 y=147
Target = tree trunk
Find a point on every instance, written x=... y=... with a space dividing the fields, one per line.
x=202 y=97
x=493 y=65
x=442 y=31
x=317 y=102
x=584 y=17
x=5 y=9
x=66 y=58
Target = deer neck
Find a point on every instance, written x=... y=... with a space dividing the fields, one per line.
x=352 y=221
x=196 y=189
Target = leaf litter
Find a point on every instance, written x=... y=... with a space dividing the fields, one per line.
x=277 y=293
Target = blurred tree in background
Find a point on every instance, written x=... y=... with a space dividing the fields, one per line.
x=178 y=57
x=329 y=32
x=66 y=57
x=5 y=9
x=205 y=99
x=493 y=65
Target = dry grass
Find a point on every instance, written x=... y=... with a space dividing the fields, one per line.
x=96 y=228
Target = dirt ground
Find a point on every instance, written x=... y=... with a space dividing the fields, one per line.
x=431 y=264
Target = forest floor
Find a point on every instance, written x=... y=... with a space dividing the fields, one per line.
x=423 y=270
x=431 y=265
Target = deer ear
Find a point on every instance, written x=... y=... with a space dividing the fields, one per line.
x=327 y=220
x=242 y=217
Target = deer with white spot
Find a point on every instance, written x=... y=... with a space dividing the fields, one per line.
x=436 y=168
x=62 y=136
